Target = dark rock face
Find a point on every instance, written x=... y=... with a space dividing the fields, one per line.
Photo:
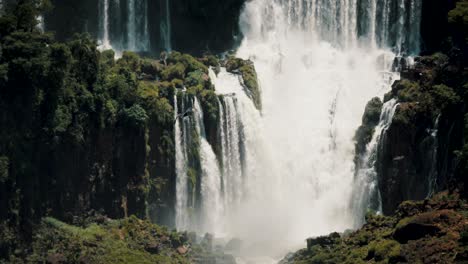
x=414 y=231
x=434 y=24
x=69 y=17
x=205 y=25
x=198 y=26
x=323 y=241
x=416 y=155
x=364 y=133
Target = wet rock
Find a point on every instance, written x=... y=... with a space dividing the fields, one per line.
x=182 y=250
x=56 y=258
x=152 y=247
x=422 y=225
x=323 y=240
x=414 y=231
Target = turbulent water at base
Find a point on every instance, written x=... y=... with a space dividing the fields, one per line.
x=135 y=32
x=366 y=193
x=288 y=173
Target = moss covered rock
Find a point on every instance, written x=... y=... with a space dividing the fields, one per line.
x=246 y=69
x=432 y=234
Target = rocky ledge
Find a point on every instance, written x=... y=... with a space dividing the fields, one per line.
x=429 y=231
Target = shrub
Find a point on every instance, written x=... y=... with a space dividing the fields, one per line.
x=174 y=71
x=135 y=116
x=4 y=167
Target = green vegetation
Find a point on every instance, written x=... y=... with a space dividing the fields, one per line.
x=246 y=69
x=430 y=231
x=458 y=17
x=370 y=120
x=113 y=241
x=83 y=131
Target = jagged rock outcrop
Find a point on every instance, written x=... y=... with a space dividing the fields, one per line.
x=416 y=155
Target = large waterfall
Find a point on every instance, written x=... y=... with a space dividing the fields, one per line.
x=288 y=172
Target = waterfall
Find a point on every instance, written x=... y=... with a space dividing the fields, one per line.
x=288 y=172
x=318 y=62
x=210 y=182
x=137 y=26
x=182 y=193
x=209 y=218
x=166 y=28
x=40 y=23
x=136 y=30
x=104 y=15
x=432 y=179
x=367 y=195
x=132 y=26
x=230 y=135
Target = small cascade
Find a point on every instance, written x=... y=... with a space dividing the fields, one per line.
x=190 y=137
x=432 y=179
x=366 y=183
x=182 y=193
x=211 y=205
x=137 y=26
x=134 y=35
x=165 y=27
x=131 y=25
x=231 y=160
x=40 y=23
x=229 y=179
x=104 y=25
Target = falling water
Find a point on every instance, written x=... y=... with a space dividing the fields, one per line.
x=288 y=173
x=136 y=29
x=166 y=28
x=318 y=63
x=182 y=193
x=367 y=195
x=132 y=26
x=432 y=179
x=211 y=184
x=40 y=23
x=104 y=15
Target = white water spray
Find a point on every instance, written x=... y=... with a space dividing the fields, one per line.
x=318 y=63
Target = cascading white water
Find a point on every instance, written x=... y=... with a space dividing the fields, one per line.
x=210 y=182
x=318 y=63
x=317 y=68
x=229 y=135
x=104 y=15
x=182 y=189
x=136 y=29
x=40 y=23
x=367 y=195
